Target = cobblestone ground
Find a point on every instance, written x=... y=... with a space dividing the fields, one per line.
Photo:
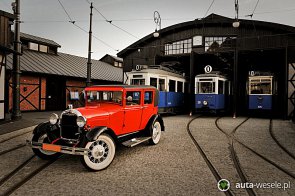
x=255 y=134
x=173 y=167
x=216 y=146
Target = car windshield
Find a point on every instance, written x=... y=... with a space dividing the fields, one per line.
x=104 y=97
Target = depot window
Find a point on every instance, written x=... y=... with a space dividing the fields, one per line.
x=213 y=43
x=179 y=47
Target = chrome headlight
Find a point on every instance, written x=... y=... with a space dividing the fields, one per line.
x=205 y=103
x=53 y=119
x=81 y=121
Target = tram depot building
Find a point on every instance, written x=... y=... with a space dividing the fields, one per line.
x=254 y=48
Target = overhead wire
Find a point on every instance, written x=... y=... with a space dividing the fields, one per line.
x=74 y=23
x=209 y=8
x=111 y=22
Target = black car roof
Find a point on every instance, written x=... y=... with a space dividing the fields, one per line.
x=125 y=86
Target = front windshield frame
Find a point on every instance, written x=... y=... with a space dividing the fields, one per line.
x=94 y=97
x=206 y=87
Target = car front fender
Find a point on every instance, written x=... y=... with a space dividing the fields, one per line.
x=94 y=133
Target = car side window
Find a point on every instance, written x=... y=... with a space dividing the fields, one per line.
x=148 y=97
x=132 y=98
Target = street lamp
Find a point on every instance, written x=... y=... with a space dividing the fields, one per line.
x=236 y=23
x=157 y=19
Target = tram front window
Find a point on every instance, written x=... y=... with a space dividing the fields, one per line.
x=206 y=87
x=138 y=82
x=260 y=87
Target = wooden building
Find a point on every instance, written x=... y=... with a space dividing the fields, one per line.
x=50 y=80
x=6 y=20
x=113 y=60
x=254 y=45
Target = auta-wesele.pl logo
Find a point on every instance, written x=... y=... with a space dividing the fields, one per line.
x=223 y=185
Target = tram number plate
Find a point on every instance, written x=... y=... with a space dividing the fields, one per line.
x=51 y=147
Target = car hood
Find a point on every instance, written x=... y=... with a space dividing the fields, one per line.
x=92 y=111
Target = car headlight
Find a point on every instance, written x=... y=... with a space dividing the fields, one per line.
x=205 y=103
x=81 y=121
x=53 y=119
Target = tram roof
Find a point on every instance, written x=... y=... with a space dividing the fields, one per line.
x=158 y=71
x=211 y=75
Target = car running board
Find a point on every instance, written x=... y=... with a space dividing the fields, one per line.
x=135 y=141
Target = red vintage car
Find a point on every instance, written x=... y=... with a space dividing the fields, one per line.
x=112 y=114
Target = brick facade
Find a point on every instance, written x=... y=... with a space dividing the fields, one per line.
x=31 y=87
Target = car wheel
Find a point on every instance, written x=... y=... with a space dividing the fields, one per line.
x=155 y=131
x=101 y=154
x=41 y=137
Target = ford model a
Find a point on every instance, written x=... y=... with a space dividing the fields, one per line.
x=112 y=115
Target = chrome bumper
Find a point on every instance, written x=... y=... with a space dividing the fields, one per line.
x=62 y=149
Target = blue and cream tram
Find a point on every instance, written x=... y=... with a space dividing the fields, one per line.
x=211 y=92
x=171 y=85
x=260 y=92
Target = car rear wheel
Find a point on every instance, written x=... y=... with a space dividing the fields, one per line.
x=155 y=131
x=41 y=137
x=101 y=154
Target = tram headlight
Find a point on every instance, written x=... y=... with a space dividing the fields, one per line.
x=205 y=103
x=81 y=121
x=53 y=118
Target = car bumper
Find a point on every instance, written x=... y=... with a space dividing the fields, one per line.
x=58 y=148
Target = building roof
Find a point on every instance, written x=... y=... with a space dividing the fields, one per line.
x=6 y=14
x=66 y=65
x=210 y=20
x=39 y=40
x=114 y=57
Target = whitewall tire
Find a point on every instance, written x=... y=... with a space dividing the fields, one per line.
x=156 y=131
x=101 y=154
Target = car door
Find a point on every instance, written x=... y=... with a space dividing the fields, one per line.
x=148 y=107
x=132 y=111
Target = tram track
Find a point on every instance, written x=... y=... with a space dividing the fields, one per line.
x=234 y=155
x=276 y=140
x=231 y=135
x=203 y=154
x=15 y=136
x=13 y=184
x=12 y=149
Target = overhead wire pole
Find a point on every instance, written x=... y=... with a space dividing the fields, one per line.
x=235 y=68
x=89 y=63
x=16 y=113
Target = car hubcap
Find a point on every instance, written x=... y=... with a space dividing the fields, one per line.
x=155 y=131
x=99 y=151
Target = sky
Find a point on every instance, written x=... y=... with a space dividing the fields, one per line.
x=131 y=19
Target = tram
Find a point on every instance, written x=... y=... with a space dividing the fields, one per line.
x=170 y=83
x=211 y=92
x=260 y=92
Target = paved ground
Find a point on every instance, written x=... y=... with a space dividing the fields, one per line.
x=173 y=167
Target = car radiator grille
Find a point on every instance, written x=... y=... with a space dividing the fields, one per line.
x=69 y=128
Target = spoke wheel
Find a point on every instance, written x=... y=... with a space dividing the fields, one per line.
x=155 y=133
x=41 y=137
x=101 y=154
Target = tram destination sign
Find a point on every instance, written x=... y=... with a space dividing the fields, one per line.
x=208 y=69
